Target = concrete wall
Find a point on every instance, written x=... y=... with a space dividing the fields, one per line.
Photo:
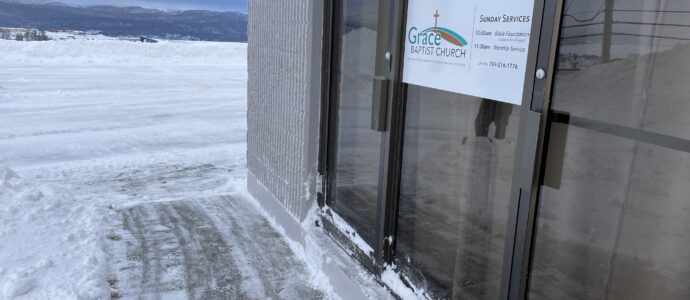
x=284 y=90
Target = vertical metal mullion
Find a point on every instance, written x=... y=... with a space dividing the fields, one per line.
x=327 y=48
x=383 y=46
x=548 y=61
x=326 y=59
x=392 y=158
x=531 y=141
x=329 y=125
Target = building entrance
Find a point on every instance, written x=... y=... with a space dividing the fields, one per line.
x=579 y=191
x=355 y=157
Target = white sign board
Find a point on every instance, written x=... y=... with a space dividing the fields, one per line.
x=474 y=47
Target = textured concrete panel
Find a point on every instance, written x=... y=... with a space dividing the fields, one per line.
x=284 y=62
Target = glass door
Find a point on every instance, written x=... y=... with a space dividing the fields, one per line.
x=459 y=154
x=417 y=177
x=357 y=103
x=435 y=183
x=614 y=208
x=457 y=166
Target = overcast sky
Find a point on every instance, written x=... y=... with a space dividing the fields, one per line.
x=219 y=5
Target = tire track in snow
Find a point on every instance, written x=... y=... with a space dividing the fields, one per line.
x=265 y=240
x=207 y=248
x=208 y=265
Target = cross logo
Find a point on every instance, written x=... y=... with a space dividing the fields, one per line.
x=436 y=15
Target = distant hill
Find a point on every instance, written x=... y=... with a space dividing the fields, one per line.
x=127 y=21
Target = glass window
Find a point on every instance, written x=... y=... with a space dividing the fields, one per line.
x=457 y=170
x=626 y=62
x=614 y=213
x=617 y=226
x=357 y=169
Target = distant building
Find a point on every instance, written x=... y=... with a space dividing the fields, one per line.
x=23 y=34
x=147 y=40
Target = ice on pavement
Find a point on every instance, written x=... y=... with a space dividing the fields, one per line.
x=95 y=134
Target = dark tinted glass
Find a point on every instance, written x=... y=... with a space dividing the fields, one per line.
x=456 y=180
x=617 y=224
x=632 y=69
x=357 y=170
x=614 y=213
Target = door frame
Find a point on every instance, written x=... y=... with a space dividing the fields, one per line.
x=328 y=131
x=529 y=158
x=532 y=142
x=329 y=135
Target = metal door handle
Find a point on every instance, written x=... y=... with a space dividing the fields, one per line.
x=379 y=104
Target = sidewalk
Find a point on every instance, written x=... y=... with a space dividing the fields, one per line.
x=204 y=248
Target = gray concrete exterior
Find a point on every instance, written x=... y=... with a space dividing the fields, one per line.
x=284 y=88
x=284 y=93
x=284 y=65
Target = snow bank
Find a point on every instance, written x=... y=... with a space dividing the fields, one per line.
x=78 y=114
x=51 y=247
x=117 y=52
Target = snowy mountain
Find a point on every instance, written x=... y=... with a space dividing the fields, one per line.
x=31 y=1
x=126 y=21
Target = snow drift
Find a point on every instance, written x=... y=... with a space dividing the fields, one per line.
x=35 y=257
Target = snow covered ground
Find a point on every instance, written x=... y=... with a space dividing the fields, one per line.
x=95 y=133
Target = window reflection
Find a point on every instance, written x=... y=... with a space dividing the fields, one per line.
x=614 y=213
x=631 y=69
x=618 y=227
x=456 y=177
x=357 y=167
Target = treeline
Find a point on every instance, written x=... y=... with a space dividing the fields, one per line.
x=23 y=34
